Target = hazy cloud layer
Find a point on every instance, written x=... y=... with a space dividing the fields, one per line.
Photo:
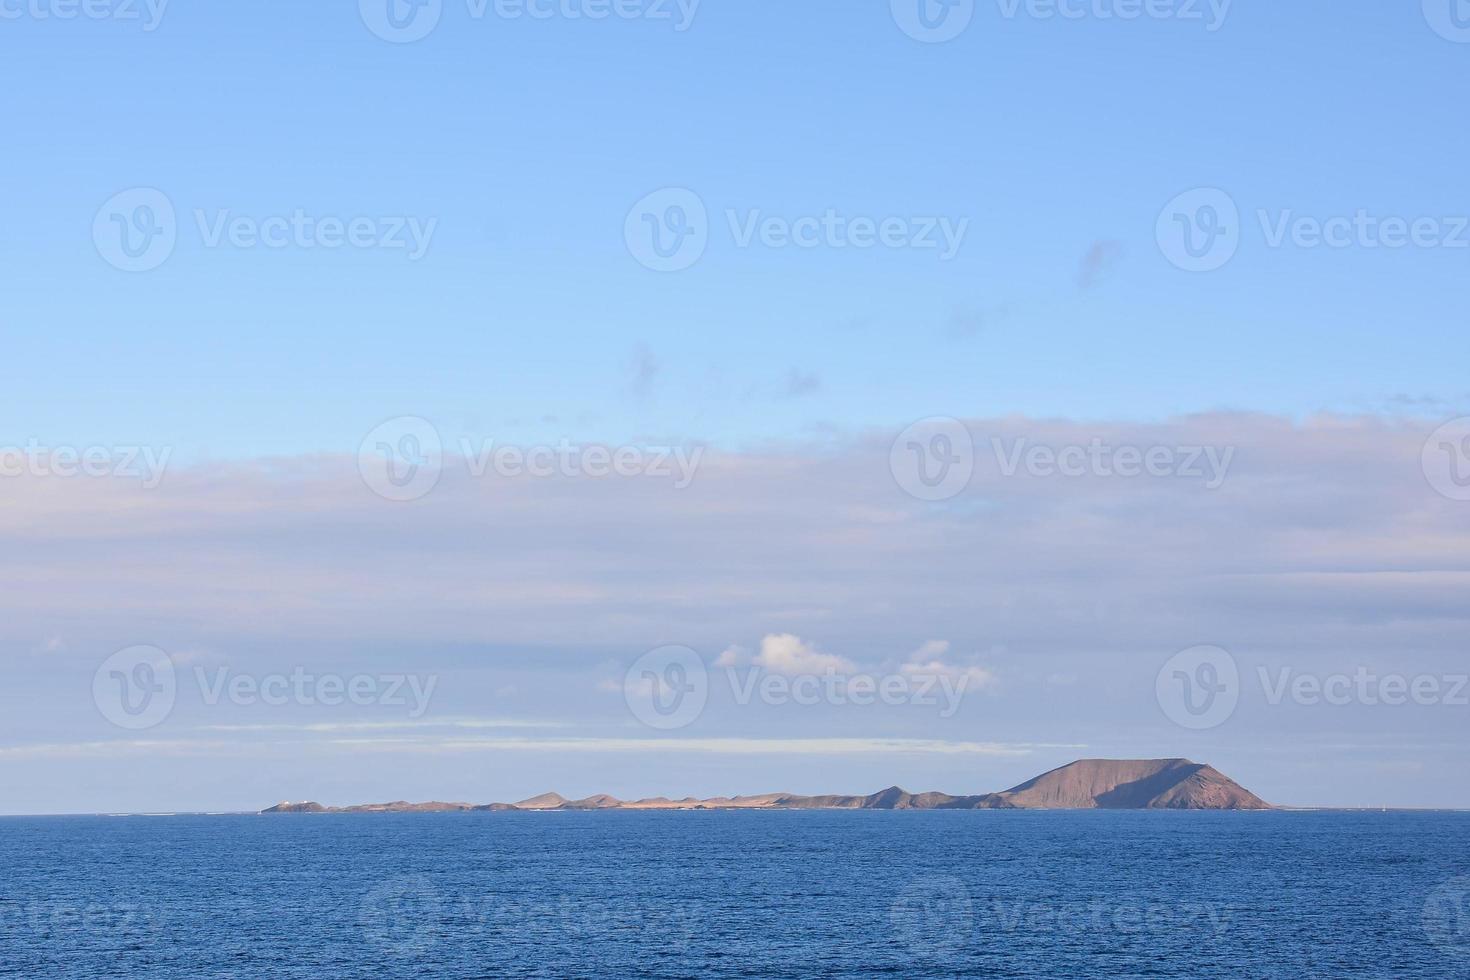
x=1323 y=535
x=1055 y=597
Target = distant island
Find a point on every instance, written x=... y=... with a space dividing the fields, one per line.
x=1089 y=784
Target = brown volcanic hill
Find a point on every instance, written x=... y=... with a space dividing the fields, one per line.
x=546 y=801
x=892 y=798
x=1134 y=784
x=284 y=807
x=1105 y=784
x=599 y=802
x=400 y=806
x=404 y=807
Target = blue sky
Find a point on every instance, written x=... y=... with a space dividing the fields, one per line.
x=529 y=140
x=519 y=146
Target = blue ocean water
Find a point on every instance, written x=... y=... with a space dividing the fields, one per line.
x=732 y=894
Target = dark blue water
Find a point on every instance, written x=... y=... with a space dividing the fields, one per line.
x=795 y=894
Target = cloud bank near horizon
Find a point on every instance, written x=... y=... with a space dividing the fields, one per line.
x=1323 y=536
x=1051 y=585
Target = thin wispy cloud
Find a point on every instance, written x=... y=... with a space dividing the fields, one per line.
x=1100 y=258
x=570 y=746
x=367 y=726
x=713 y=746
x=643 y=370
x=799 y=383
x=1057 y=597
x=1325 y=531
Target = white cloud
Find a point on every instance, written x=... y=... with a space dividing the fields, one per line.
x=1325 y=537
x=932 y=650
x=973 y=677
x=657 y=746
x=714 y=746
x=732 y=656
x=927 y=661
x=786 y=653
x=1299 y=541
x=367 y=726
